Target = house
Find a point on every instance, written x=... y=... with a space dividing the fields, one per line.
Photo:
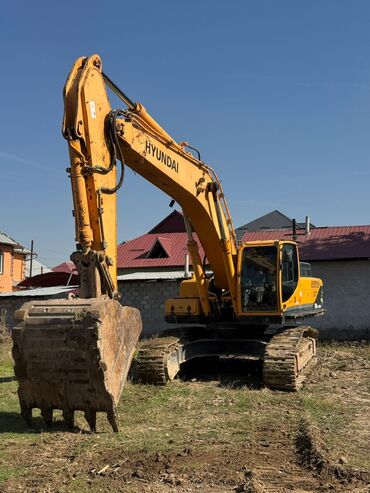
x=37 y=267
x=12 y=263
x=160 y=253
x=64 y=274
x=152 y=266
x=67 y=267
x=272 y=220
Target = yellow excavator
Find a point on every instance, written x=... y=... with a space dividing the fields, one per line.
x=75 y=354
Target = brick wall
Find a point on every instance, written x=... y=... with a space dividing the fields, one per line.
x=346 y=299
x=149 y=297
x=9 y=304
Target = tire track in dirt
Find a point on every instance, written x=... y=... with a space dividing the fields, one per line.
x=292 y=459
x=274 y=466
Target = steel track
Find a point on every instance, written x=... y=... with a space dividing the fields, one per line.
x=288 y=357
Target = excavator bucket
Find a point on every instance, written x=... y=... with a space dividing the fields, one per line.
x=73 y=355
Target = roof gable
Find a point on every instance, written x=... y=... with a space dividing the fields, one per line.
x=7 y=240
x=65 y=267
x=173 y=223
x=161 y=248
x=133 y=253
x=272 y=220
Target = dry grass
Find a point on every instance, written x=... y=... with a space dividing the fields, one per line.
x=210 y=418
x=4 y=330
x=338 y=403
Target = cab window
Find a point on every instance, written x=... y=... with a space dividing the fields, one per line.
x=305 y=269
x=289 y=274
x=258 y=279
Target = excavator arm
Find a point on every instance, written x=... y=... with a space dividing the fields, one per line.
x=97 y=136
x=75 y=354
x=93 y=178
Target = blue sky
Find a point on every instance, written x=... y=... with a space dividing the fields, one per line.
x=275 y=94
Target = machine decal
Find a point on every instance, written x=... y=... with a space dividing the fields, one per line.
x=161 y=156
x=92 y=109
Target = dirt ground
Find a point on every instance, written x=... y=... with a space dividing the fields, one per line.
x=217 y=431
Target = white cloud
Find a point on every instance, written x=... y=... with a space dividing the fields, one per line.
x=21 y=160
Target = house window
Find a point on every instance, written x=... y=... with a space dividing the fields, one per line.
x=157 y=251
x=1 y=263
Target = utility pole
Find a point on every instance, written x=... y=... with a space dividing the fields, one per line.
x=31 y=259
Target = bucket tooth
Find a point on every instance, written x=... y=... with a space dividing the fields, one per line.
x=69 y=418
x=90 y=416
x=73 y=355
x=47 y=416
x=26 y=413
x=112 y=418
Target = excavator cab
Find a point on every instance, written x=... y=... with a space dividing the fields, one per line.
x=271 y=283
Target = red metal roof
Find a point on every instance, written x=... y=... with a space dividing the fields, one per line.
x=65 y=267
x=328 y=243
x=49 y=279
x=133 y=254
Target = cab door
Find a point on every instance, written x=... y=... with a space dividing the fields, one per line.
x=258 y=279
x=289 y=272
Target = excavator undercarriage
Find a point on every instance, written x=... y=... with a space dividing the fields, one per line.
x=287 y=356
